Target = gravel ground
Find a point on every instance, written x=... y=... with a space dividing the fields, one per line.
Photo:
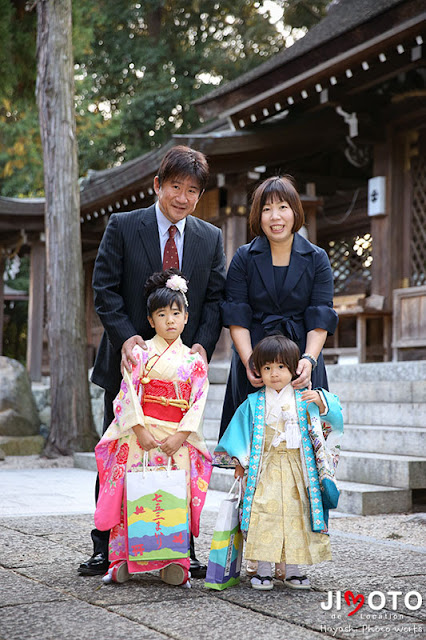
x=408 y=528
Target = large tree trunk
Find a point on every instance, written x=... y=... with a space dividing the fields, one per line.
x=71 y=423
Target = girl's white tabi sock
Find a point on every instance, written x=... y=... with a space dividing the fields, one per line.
x=264 y=569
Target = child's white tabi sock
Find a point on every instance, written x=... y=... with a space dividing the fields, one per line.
x=293 y=571
x=264 y=569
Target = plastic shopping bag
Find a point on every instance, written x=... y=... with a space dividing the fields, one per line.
x=227 y=544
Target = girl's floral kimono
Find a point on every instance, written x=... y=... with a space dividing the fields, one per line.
x=283 y=446
x=165 y=392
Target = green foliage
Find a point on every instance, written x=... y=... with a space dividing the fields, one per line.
x=150 y=60
x=21 y=167
x=138 y=67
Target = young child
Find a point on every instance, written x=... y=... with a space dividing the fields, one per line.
x=159 y=409
x=268 y=437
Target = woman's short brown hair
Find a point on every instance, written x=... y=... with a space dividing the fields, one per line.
x=275 y=189
x=184 y=161
x=276 y=348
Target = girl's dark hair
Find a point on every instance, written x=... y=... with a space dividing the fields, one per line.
x=275 y=189
x=159 y=296
x=276 y=349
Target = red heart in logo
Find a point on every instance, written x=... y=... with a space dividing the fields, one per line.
x=351 y=599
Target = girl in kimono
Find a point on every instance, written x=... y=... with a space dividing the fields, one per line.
x=268 y=438
x=158 y=410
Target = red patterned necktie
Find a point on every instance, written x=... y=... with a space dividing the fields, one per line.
x=170 y=257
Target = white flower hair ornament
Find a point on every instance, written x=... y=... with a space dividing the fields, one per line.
x=177 y=283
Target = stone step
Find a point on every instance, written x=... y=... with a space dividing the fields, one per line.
x=405 y=472
x=402 y=392
x=408 y=414
x=386 y=439
x=211 y=444
x=211 y=429
x=355 y=498
x=85 y=460
x=369 y=499
x=221 y=479
x=213 y=409
x=219 y=371
x=216 y=393
x=374 y=372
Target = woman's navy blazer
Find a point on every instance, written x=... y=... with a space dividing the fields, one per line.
x=304 y=302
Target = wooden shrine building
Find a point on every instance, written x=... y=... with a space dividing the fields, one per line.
x=344 y=111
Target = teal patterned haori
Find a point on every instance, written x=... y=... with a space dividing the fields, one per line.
x=244 y=441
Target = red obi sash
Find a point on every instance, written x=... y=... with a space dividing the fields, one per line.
x=159 y=399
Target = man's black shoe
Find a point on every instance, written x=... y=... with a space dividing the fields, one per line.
x=197 y=569
x=97 y=565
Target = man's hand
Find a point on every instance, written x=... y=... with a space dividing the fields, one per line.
x=145 y=438
x=127 y=358
x=198 y=348
x=172 y=443
x=304 y=370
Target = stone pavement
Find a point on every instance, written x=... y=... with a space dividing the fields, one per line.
x=45 y=519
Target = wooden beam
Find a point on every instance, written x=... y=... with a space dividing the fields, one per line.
x=288 y=73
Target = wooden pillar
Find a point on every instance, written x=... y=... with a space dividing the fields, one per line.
x=311 y=213
x=2 y=264
x=234 y=231
x=36 y=310
x=383 y=261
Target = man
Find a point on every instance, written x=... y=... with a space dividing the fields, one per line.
x=135 y=245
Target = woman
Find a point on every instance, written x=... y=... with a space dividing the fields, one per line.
x=278 y=283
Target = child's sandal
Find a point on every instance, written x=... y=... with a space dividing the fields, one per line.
x=296 y=582
x=174 y=574
x=251 y=567
x=262 y=583
x=118 y=572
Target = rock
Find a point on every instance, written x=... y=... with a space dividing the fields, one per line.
x=18 y=411
x=45 y=416
x=21 y=446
